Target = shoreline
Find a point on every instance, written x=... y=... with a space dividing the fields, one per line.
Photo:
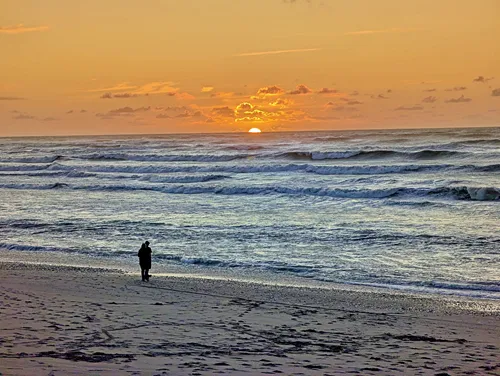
x=130 y=266
x=84 y=319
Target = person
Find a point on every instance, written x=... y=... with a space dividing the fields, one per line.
x=145 y=260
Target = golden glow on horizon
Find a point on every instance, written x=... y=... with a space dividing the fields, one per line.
x=254 y=130
x=113 y=67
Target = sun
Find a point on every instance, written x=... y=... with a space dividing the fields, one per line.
x=254 y=130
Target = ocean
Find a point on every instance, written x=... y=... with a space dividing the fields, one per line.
x=410 y=210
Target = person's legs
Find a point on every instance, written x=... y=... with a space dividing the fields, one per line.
x=146 y=274
x=143 y=274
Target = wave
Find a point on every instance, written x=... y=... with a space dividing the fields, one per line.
x=163 y=158
x=266 y=265
x=245 y=169
x=183 y=179
x=149 y=178
x=372 y=154
x=294 y=155
x=488 y=288
x=244 y=147
x=322 y=170
x=482 y=141
x=41 y=159
x=34 y=248
x=458 y=193
x=24 y=167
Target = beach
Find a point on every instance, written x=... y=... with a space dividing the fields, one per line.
x=65 y=320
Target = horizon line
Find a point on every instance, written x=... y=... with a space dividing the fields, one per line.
x=264 y=132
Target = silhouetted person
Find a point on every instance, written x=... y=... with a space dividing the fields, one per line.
x=145 y=260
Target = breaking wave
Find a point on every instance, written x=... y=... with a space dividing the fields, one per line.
x=458 y=193
x=294 y=155
x=163 y=158
x=315 y=169
x=372 y=154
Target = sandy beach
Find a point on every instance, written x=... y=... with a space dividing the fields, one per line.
x=72 y=321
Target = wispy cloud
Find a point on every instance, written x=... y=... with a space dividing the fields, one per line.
x=119 y=87
x=222 y=94
x=207 y=89
x=24 y=116
x=277 y=52
x=429 y=99
x=461 y=99
x=11 y=98
x=408 y=108
x=119 y=95
x=457 y=88
x=326 y=90
x=384 y=31
x=18 y=29
x=482 y=79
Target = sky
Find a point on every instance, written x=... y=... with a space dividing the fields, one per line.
x=171 y=66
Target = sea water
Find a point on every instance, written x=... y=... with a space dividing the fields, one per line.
x=400 y=209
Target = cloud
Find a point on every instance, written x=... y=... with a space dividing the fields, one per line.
x=69 y=111
x=223 y=111
x=269 y=90
x=125 y=95
x=354 y=93
x=156 y=87
x=183 y=95
x=326 y=90
x=413 y=108
x=119 y=87
x=163 y=116
x=183 y=115
x=151 y=88
x=429 y=99
x=243 y=108
x=172 y=108
x=380 y=96
x=24 y=117
x=222 y=94
x=354 y=102
x=482 y=79
x=187 y=114
x=125 y=110
x=11 y=99
x=83 y=111
x=384 y=31
x=457 y=88
x=281 y=103
x=495 y=92
x=207 y=89
x=276 y=52
x=461 y=99
x=301 y=89
x=343 y=108
x=429 y=90
x=18 y=29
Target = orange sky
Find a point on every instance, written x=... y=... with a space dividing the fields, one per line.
x=161 y=66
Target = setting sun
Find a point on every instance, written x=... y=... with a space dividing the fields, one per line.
x=254 y=130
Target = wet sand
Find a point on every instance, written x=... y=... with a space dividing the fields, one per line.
x=71 y=321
